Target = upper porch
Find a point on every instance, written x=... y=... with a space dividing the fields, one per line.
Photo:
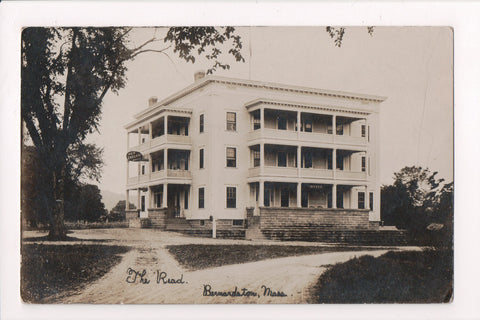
x=276 y=123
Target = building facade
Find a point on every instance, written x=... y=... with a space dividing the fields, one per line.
x=227 y=149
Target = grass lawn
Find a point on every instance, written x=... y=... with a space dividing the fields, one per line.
x=55 y=269
x=199 y=256
x=402 y=277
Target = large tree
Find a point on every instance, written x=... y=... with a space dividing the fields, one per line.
x=419 y=202
x=66 y=73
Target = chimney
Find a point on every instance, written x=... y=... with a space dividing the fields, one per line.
x=199 y=75
x=152 y=101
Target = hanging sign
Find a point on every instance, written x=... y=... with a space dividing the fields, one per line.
x=135 y=156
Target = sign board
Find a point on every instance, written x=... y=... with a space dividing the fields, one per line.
x=135 y=156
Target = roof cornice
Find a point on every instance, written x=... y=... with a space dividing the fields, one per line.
x=261 y=101
x=259 y=84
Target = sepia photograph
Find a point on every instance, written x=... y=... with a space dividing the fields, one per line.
x=237 y=165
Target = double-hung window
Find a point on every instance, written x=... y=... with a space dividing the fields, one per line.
x=201 y=159
x=202 y=122
x=231 y=121
x=231 y=157
x=361 y=200
x=231 y=197
x=201 y=198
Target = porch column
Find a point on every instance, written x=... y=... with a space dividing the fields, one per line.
x=139 y=136
x=299 y=119
x=334 y=162
x=127 y=197
x=150 y=164
x=165 y=124
x=299 y=158
x=262 y=118
x=164 y=195
x=262 y=158
x=334 y=126
x=299 y=195
x=150 y=205
x=128 y=140
x=165 y=160
x=334 y=196
x=367 y=199
x=149 y=131
x=138 y=199
x=261 y=194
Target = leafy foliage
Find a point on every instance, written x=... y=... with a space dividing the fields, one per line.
x=205 y=40
x=66 y=73
x=337 y=34
x=421 y=203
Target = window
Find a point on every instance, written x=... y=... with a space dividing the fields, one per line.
x=282 y=123
x=340 y=129
x=256 y=158
x=231 y=197
x=339 y=162
x=363 y=130
x=308 y=125
x=308 y=159
x=231 y=157
x=231 y=121
x=143 y=169
x=339 y=199
x=142 y=203
x=266 y=197
x=158 y=199
x=201 y=198
x=368 y=133
x=201 y=159
x=202 y=222
x=370 y=200
x=329 y=129
x=282 y=159
x=237 y=222
x=186 y=200
x=361 y=200
x=202 y=122
x=363 y=164
x=256 y=121
x=329 y=161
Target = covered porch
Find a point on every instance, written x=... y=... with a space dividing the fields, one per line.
x=173 y=198
x=307 y=195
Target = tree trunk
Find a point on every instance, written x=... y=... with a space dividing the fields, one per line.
x=57 y=227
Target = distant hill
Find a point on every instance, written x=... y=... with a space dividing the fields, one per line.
x=110 y=198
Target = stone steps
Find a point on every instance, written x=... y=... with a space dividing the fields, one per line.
x=361 y=237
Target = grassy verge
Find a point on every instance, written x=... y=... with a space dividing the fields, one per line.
x=198 y=256
x=52 y=270
x=395 y=277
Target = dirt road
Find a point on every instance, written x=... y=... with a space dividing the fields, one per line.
x=149 y=274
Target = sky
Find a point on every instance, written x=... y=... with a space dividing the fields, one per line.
x=411 y=66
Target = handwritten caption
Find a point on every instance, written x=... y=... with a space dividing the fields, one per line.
x=162 y=277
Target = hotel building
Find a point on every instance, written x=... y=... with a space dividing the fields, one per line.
x=252 y=155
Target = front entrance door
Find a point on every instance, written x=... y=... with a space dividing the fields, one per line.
x=284 y=195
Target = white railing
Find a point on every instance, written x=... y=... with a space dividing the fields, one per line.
x=350 y=140
x=316 y=137
x=316 y=173
x=179 y=173
x=280 y=171
x=158 y=141
x=350 y=175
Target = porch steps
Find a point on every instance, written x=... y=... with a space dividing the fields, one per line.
x=177 y=224
x=254 y=233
